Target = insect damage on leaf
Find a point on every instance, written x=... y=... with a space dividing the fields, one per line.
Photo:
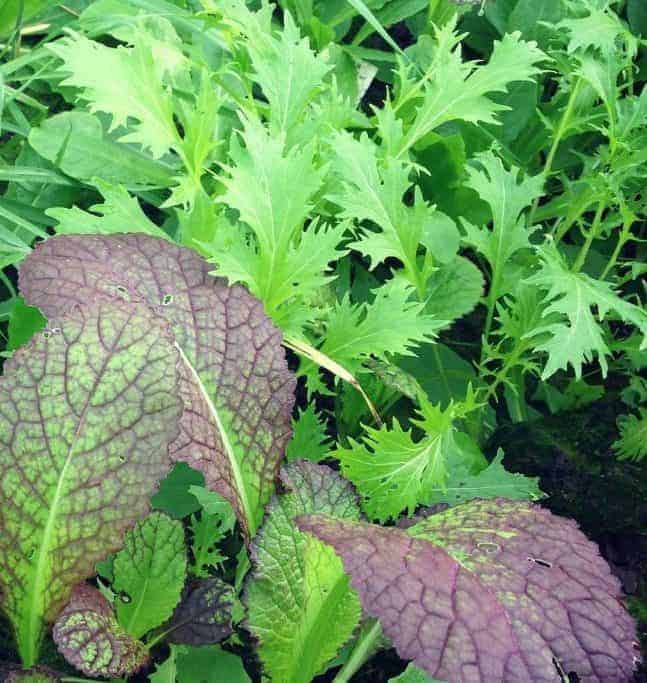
x=88 y=410
x=489 y=590
x=234 y=381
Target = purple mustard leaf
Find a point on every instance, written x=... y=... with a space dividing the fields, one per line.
x=90 y=638
x=87 y=412
x=237 y=390
x=204 y=615
x=492 y=590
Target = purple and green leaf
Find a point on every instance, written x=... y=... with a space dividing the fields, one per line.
x=87 y=412
x=490 y=590
x=90 y=638
x=235 y=385
x=204 y=615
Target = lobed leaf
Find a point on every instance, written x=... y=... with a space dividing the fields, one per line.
x=77 y=466
x=235 y=385
x=490 y=590
x=89 y=637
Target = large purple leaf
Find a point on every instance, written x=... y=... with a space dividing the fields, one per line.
x=89 y=636
x=237 y=390
x=491 y=590
x=87 y=412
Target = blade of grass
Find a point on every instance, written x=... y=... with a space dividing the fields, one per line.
x=360 y=7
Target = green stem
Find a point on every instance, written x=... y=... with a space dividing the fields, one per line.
x=590 y=236
x=362 y=652
x=492 y=297
x=562 y=127
x=622 y=240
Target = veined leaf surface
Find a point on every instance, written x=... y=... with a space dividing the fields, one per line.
x=300 y=604
x=493 y=590
x=87 y=412
x=235 y=385
x=90 y=638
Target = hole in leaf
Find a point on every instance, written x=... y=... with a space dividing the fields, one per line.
x=124 y=597
x=47 y=334
x=167 y=300
x=30 y=553
x=540 y=562
x=488 y=548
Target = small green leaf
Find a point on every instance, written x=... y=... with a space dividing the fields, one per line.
x=309 y=439
x=208 y=664
x=632 y=444
x=492 y=482
x=24 y=322
x=174 y=496
x=149 y=573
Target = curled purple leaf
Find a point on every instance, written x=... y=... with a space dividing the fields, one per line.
x=204 y=615
x=492 y=590
x=236 y=388
x=88 y=635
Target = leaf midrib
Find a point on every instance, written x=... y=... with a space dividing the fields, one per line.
x=239 y=479
x=34 y=614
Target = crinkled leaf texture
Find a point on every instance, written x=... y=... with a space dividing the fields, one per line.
x=149 y=573
x=38 y=674
x=204 y=616
x=492 y=590
x=88 y=635
x=300 y=605
x=235 y=384
x=87 y=412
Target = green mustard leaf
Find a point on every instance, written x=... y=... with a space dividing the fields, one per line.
x=124 y=82
x=208 y=529
x=393 y=323
x=394 y=472
x=149 y=573
x=373 y=190
x=309 y=439
x=288 y=71
x=453 y=89
x=632 y=444
x=571 y=334
x=507 y=195
x=273 y=189
x=174 y=496
x=76 y=142
x=300 y=605
x=90 y=638
x=206 y=664
x=118 y=209
x=24 y=322
x=492 y=482
x=95 y=398
x=234 y=381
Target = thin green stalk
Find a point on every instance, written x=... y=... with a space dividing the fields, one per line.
x=362 y=652
x=562 y=127
x=491 y=300
x=590 y=236
x=622 y=240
